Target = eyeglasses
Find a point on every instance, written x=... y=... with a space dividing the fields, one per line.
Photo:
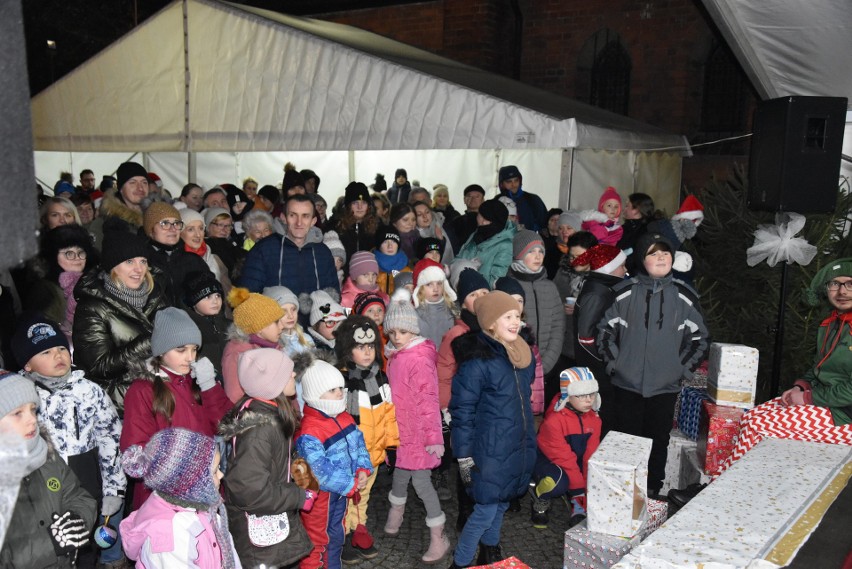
x=834 y=286
x=587 y=395
x=73 y=255
x=228 y=226
x=166 y=224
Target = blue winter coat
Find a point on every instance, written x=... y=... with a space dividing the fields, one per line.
x=276 y=260
x=492 y=419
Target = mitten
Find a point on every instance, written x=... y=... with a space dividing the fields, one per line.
x=465 y=467
x=68 y=533
x=204 y=373
x=110 y=505
x=303 y=476
x=310 y=498
x=436 y=450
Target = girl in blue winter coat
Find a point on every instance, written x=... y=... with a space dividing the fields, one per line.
x=492 y=426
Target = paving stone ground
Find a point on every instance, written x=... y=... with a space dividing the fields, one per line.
x=538 y=548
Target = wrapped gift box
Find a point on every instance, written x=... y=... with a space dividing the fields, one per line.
x=589 y=550
x=689 y=414
x=658 y=513
x=717 y=435
x=505 y=564
x=676 y=455
x=616 y=485
x=732 y=374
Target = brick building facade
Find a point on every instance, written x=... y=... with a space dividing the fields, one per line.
x=661 y=61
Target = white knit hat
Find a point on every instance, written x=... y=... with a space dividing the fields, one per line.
x=319 y=378
x=189 y=215
x=577 y=381
x=282 y=295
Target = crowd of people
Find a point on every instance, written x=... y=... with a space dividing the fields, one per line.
x=254 y=337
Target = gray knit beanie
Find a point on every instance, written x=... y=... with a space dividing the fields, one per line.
x=282 y=295
x=401 y=314
x=15 y=390
x=524 y=242
x=572 y=219
x=173 y=328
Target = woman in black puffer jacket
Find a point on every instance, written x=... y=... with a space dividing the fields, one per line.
x=116 y=303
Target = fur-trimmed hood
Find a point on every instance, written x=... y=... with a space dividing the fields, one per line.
x=478 y=345
x=593 y=215
x=112 y=206
x=237 y=423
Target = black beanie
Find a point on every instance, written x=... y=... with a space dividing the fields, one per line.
x=383 y=234
x=199 y=285
x=510 y=286
x=271 y=193
x=400 y=172
x=129 y=170
x=120 y=246
x=469 y=281
x=495 y=212
x=381 y=185
x=291 y=180
x=427 y=244
x=35 y=334
x=356 y=191
x=310 y=174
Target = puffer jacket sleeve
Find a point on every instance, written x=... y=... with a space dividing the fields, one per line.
x=610 y=329
x=447 y=363
x=362 y=455
x=140 y=423
x=250 y=486
x=551 y=324
x=331 y=478
x=695 y=340
x=107 y=433
x=94 y=348
x=501 y=260
x=466 y=393
x=423 y=380
x=258 y=259
x=586 y=317
x=215 y=404
x=552 y=443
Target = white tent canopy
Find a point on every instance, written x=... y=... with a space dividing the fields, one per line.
x=206 y=76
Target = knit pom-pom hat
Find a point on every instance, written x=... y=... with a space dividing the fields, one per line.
x=176 y=464
x=577 y=381
x=609 y=194
x=401 y=314
x=252 y=311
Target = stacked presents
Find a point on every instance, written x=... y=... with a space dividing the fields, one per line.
x=620 y=514
x=708 y=419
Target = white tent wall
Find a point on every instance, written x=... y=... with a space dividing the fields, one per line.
x=48 y=165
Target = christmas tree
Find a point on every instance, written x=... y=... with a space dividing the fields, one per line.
x=741 y=303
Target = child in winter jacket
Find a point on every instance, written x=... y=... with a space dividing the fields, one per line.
x=257 y=324
x=183 y=523
x=390 y=257
x=204 y=299
x=543 y=307
x=173 y=389
x=434 y=299
x=79 y=415
x=368 y=400
x=325 y=316
x=363 y=275
x=258 y=481
x=603 y=223
x=333 y=447
x=651 y=337
x=492 y=427
x=414 y=384
x=53 y=515
x=293 y=339
x=568 y=436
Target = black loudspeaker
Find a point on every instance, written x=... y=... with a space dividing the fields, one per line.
x=795 y=154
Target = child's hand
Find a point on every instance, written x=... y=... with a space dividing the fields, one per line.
x=465 y=467
x=204 y=373
x=303 y=476
x=110 y=505
x=68 y=533
x=436 y=450
x=361 y=481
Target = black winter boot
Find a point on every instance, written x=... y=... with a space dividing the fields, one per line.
x=489 y=554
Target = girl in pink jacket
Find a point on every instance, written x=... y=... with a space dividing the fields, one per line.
x=183 y=523
x=413 y=377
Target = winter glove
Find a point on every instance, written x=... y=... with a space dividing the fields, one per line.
x=445 y=421
x=110 y=505
x=465 y=467
x=68 y=533
x=303 y=476
x=390 y=458
x=204 y=373
x=436 y=450
x=310 y=498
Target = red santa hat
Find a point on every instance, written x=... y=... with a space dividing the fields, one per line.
x=428 y=271
x=690 y=209
x=601 y=259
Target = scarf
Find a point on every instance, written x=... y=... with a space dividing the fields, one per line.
x=167 y=249
x=201 y=251
x=262 y=342
x=518 y=351
x=219 y=521
x=361 y=379
x=469 y=318
x=68 y=280
x=389 y=263
x=520 y=267
x=407 y=242
x=36 y=454
x=485 y=232
x=838 y=321
x=49 y=383
x=135 y=298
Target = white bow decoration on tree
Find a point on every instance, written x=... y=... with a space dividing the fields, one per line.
x=778 y=242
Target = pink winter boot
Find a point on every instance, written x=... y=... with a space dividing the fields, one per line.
x=439 y=545
x=395 y=514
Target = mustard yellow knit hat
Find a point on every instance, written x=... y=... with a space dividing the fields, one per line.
x=252 y=311
x=157 y=212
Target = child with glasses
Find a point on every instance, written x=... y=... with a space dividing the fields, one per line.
x=568 y=436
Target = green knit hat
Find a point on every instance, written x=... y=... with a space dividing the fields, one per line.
x=837 y=268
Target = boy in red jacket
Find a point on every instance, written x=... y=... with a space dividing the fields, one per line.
x=568 y=436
